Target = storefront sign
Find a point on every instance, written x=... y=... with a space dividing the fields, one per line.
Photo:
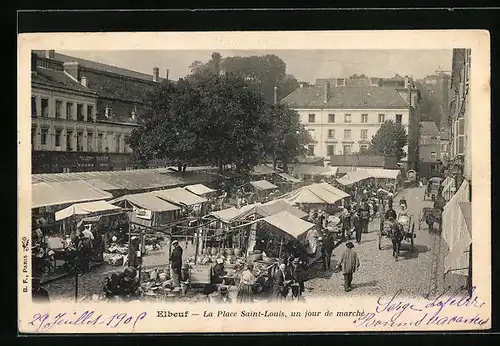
x=143 y=213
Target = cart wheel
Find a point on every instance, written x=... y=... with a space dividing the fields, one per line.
x=380 y=241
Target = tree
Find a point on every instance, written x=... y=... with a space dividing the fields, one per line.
x=431 y=102
x=262 y=73
x=389 y=140
x=215 y=119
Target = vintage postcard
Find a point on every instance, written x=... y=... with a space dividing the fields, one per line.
x=254 y=181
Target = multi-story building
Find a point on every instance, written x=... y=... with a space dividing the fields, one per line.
x=438 y=86
x=342 y=115
x=83 y=113
x=460 y=153
x=429 y=150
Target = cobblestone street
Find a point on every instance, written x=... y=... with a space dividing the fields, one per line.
x=416 y=273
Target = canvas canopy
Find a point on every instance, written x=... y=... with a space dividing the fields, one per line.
x=289 y=223
x=147 y=201
x=65 y=192
x=180 y=196
x=289 y=178
x=455 y=231
x=263 y=185
x=226 y=215
x=85 y=209
x=272 y=208
x=199 y=189
x=354 y=177
x=383 y=173
x=262 y=170
x=315 y=194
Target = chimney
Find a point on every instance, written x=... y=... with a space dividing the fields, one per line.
x=156 y=74
x=84 y=81
x=72 y=68
x=50 y=54
x=407 y=82
x=326 y=91
x=166 y=74
x=275 y=95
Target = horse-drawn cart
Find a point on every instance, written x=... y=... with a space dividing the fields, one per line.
x=408 y=230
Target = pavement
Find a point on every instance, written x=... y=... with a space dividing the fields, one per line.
x=416 y=273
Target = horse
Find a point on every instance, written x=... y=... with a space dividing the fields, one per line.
x=396 y=235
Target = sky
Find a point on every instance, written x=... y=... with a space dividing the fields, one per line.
x=305 y=65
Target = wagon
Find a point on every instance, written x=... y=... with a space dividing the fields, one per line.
x=408 y=230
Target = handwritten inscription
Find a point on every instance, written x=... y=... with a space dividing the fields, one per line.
x=44 y=322
x=394 y=311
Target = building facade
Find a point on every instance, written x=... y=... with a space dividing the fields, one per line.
x=83 y=113
x=460 y=117
x=343 y=115
x=429 y=150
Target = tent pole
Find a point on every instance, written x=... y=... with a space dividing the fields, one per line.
x=281 y=246
x=469 y=276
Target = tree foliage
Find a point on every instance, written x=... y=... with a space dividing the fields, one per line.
x=389 y=140
x=216 y=119
x=431 y=102
x=262 y=73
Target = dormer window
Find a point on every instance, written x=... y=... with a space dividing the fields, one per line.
x=340 y=82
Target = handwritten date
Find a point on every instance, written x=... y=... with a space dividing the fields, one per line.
x=44 y=322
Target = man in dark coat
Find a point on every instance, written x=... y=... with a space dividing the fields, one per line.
x=298 y=276
x=357 y=224
x=281 y=282
x=364 y=215
x=327 y=249
x=176 y=263
x=38 y=293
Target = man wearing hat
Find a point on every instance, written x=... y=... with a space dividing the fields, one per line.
x=349 y=263
x=38 y=293
x=218 y=271
x=176 y=263
x=298 y=276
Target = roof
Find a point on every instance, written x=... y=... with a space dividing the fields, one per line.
x=289 y=223
x=226 y=215
x=362 y=160
x=314 y=170
x=99 y=66
x=85 y=209
x=57 y=193
x=445 y=134
x=383 y=173
x=132 y=180
x=429 y=128
x=180 y=196
x=310 y=159
x=262 y=170
x=315 y=194
x=199 y=189
x=354 y=177
x=289 y=178
x=334 y=190
x=272 y=208
x=356 y=97
x=103 y=185
x=263 y=185
x=148 y=201
x=57 y=79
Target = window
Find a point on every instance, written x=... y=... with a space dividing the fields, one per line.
x=127 y=143
x=69 y=140
x=100 y=140
x=58 y=109
x=90 y=113
x=347 y=149
x=310 y=149
x=381 y=118
x=312 y=118
x=69 y=110
x=444 y=147
x=347 y=118
x=331 y=118
x=43 y=138
x=90 y=142
x=363 y=147
x=33 y=137
x=45 y=108
x=433 y=155
x=331 y=133
x=364 y=118
x=347 y=134
x=79 y=112
x=330 y=150
x=313 y=134
x=58 y=138
x=399 y=118
x=364 y=134
x=340 y=82
x=33 y=107
x=79 y=141
x=117 y=144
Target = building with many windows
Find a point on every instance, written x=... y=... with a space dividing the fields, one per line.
x=83 y=112
x=342 y=115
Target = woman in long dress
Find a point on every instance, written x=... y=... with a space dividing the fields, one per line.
x=247 y=280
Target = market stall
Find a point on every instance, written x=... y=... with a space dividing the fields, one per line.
x=313 y=173
x=189 y=202
x=200 y=190
x=316 y=196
